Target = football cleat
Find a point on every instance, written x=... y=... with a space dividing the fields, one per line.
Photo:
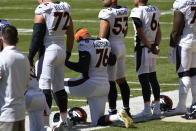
x=142 y=116
x=128 y=111
x=123 y=116
x=191 y=114
x=176 y=111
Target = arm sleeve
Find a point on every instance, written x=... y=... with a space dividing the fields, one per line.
x=82 y=65
x=36 y=41
x=137 y=22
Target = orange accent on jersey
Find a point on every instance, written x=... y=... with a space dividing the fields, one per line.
x=80 y=33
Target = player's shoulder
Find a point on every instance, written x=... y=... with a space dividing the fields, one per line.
x=42 y=8
x=105 y=13
x=136 y=12
x=4 y=22
x=85 y=45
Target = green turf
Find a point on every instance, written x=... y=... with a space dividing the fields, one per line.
x=21 y=14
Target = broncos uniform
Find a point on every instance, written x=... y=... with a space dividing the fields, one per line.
x=57 y=19
x=147 y=18
x=93 y=84
x=186 y=54
x=145 y=60
x=118 y=19
x=117 y=16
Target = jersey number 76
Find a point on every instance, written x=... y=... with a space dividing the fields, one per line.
x=103 y=57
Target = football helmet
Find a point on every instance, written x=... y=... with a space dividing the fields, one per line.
x=191 y=114
x=77 y=115
x=165 y=103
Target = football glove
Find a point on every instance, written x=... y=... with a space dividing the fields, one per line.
x=171 y=51
x=68 y=55
x=112 y=59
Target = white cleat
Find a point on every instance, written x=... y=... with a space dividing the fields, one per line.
x=123 y=116
x=61 y=127
x=176 y=111
x=156 y=114
x=143 y=116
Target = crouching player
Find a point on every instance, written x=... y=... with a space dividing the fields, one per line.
x=35 y=105
x=94 y=85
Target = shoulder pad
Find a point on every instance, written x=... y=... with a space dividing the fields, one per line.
x=42 y=8
x=136 y=12
x=105 y=14
x=85 y=45
x=67 y=5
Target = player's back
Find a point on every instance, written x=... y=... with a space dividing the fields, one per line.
x=117 y=16
x=57 y=19
x=149 y=16
x=99 y=50
x=188 y=8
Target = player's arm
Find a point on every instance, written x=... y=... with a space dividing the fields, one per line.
x=140 y=32
x=82 y=65
x=70 y=39
x=158 y=35
x=104 y=28
x=178 y=25
x=37 y=37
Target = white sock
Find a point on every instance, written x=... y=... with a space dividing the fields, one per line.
x=147 y=107
x=114 y=117
x=63 y=117
x=156 y=105
x=193 y=89
x=185 y=83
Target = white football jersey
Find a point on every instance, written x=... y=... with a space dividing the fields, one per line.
x=118 y=19
x=57 y=19
x=99 y=50
x=188 y=8
x=149 y=16
x=3 y=23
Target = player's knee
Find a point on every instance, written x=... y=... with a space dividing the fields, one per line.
x=61 y=100
x=104 y=121
x=121 y=80
x=47 y=93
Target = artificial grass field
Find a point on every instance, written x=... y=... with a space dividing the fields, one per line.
x=85 y=14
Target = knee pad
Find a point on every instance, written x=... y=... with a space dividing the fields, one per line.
x=61 y=100
x=112 y=96
x=47 y=93
x=185 y=83
x=104 y=121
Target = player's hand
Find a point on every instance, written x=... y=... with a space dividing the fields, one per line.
x=155 y=49
x=171 y=51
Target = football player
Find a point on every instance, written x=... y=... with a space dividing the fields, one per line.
x=184 y=41
x=114 y=26
x=147 y=39
x=94 y=85
x=55 y=17
x=3 y=23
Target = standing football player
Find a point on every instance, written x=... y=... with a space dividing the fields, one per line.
x=56 y=17
x=114 y=26
x=94 y=85
x=183 y=38
x=147 y=39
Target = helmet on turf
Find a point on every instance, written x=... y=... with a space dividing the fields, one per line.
x=165 y=103
x=191 y=114
x=77 y=115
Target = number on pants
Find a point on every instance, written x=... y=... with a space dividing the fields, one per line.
x=119 y=26
x=154 y=23
x=103 y=57
x=60 y=15
x=193 y=8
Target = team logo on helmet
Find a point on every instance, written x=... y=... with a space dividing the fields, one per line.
x=165 y=103
x=77 y=115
